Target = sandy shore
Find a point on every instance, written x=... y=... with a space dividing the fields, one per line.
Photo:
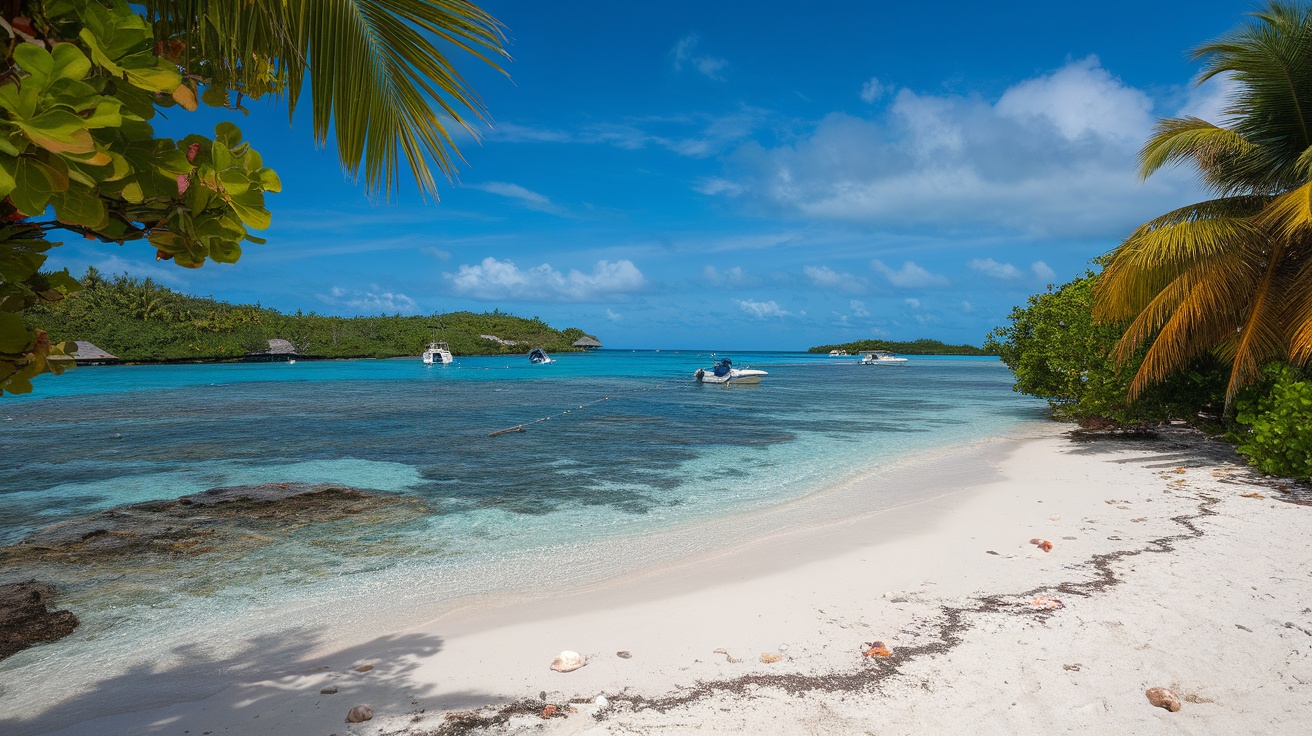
x=1174 y=566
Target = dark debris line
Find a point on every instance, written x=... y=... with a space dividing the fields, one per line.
x=866 y=678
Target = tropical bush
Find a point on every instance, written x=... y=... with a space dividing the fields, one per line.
x=1059 y=352
x=80 y=81
x=1274 y=422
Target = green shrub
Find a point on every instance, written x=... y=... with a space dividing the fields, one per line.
x=1058 y=352
x=1274 y=422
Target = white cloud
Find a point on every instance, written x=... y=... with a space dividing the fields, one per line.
x=827 y=278
x=371 y=302
x=734 y=276
x=1042 y=271
x=1052 y=156
x=438 y=253
x=685 y=53
x=990 y=267
x=613 y=316
x=717 y=185
x=525 y=197
x=912 y=302
x=872 y=90
x=493 y=279
x=910 y=276
x=761 y=310
x=967 y=307
x=858 y=308
x=1081 y=100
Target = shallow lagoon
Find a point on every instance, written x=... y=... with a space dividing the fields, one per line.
x=633 y=446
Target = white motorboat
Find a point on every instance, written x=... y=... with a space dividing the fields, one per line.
x=438 y=353
x=725 y=373
x=880 y=357
x=838 y=353
x=538 y=356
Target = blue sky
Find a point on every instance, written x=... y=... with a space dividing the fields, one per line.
x=746 y=175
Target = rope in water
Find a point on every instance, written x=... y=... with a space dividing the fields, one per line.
x=622 y=394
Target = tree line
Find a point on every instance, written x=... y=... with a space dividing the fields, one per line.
x=922 y=346
x=140 y=320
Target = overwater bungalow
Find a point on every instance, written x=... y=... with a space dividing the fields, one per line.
x=587 y=343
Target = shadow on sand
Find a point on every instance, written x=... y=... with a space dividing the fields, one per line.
x=280 y=674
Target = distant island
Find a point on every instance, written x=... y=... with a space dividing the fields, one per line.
x=914 y=347
x=138 y=320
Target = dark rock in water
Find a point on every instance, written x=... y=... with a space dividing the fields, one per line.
x=26 y=618
x=215 y=520
x=360 y=714
x=328 y=691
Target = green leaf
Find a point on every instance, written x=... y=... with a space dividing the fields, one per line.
x=215 y=96
x=35 y=60
x=269 y=180
x=225 y=251
x=70 y=62
x=58 y=131
x=227 y=134
x=8 y=171
x=235 y=181
x=15 y=338
x=106 y=114
x=33 y=188
x=250 y=208
x=80 y=207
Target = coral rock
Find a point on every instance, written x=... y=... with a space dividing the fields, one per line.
x=364 y=668
x=1163 y=698
x=26 y=618
x=624 y=655
x=360 y=714
x=770 y=657
x=328 y=691
x=568 y=661
x=549 y=711
x=1046 y=546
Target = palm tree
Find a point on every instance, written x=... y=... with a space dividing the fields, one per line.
x=376 y=69
x=1231 y=274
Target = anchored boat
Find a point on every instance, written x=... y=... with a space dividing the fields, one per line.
x=724 y=373
x=880 y=357
x=439 y=353
x=538 y=357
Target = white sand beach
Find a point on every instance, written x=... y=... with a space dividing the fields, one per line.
x=1174 y=565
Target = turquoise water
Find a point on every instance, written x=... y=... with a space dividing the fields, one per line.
x=642 y=449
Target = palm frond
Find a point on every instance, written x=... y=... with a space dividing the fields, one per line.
x=1226 y=162
x=379 y=79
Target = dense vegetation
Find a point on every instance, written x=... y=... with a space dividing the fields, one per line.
x=82 y=80
x=1060 y=353
x=913 y=347
x=139 y=320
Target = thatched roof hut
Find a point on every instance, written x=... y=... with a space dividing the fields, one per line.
x=88 y=354
x=587 y=343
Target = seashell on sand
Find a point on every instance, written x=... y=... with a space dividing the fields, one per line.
x=770 y=657
x=1163 y=698
x=568 y=661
